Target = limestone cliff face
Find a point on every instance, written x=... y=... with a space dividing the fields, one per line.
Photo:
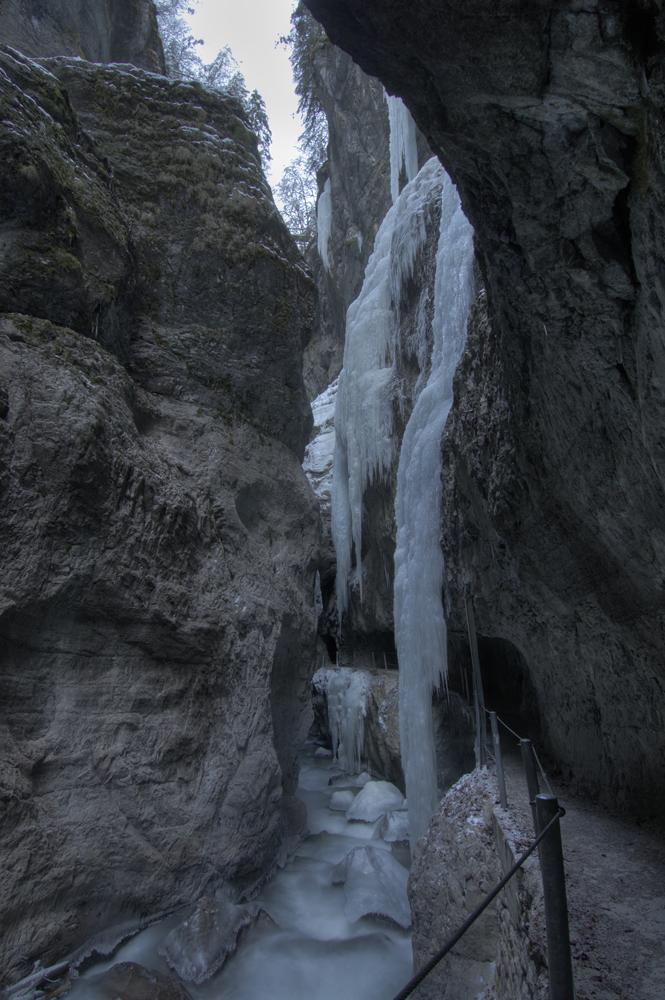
x=549 y=119
x=103 y=31
x=358 y=169
x=159 y=539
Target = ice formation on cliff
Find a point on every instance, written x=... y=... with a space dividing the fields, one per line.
x=345 y=692
x=420 y=627
x=324 y=224
x=403 y=148
x=364 y=407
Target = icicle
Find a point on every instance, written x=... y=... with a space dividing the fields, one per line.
x=364 y=405
x=345 y=691
x=403 y=147
x=324 y=224
x=318 y=596
x=420 y=627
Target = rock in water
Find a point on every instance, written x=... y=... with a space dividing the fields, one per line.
x=374 y=885
x=342 y=800
x=129 y=981
x=375 y=799
x=198 y=948
x=396 y=826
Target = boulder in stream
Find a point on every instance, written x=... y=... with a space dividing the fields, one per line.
x=375 y=799
x=374 y=885
x=198 y=948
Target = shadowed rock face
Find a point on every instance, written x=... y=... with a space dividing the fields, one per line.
x=159 y=539
x=104 y=31
x=548 y=117
x=359 y=172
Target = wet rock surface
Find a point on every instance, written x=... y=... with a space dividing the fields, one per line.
x=160 y=540
x=549 y=119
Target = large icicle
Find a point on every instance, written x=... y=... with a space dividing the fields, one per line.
x=345 y=691
x=364 y=408
x=324 y=224
x=420 y=627
x=403 y=147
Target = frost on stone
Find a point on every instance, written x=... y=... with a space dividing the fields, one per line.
x=374 y=885
x=198 y=948
x=395 y=826
x=340 y=801
x=375 y=799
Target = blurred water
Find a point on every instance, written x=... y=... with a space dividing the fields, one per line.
x=312 y=952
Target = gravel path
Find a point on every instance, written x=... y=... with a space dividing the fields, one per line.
x=615 y=873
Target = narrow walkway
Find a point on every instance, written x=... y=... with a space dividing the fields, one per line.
x=615 y=873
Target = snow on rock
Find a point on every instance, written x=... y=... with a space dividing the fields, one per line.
x=375 y=799
x=395 y=826
x=342 y=800
x=323 y=752
x=374 y=884
x=198 y=948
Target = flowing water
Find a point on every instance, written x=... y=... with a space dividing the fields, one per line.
x=312 y=951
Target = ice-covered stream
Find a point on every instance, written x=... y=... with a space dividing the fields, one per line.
x=311 y=950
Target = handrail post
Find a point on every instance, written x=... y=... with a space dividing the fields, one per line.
x=532 y=785
x=479 y=695
x=503 y=798
x=556 y=906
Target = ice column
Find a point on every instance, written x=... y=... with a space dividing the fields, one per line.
x=403 y=148
x=345 y=693
x=324 y=224
x=420 y=627
x=364 y=404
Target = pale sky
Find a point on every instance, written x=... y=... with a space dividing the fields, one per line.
x=251 y=28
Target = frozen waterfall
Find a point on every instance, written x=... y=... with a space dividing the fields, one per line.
x=345 y=692
x=364 y=449
x=420 y=627
x=403 y=148
x=364 y=445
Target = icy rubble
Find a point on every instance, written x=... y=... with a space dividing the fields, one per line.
x=375 y=799
x=374 y=884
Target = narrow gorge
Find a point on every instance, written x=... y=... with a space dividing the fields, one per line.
x=256 y=484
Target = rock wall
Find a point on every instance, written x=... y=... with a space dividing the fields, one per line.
x=358 y=168
x=102 y=31
x=468 y=847
x=159 y=538
x=549 y=119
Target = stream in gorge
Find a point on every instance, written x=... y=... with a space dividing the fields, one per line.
x=310 y=950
